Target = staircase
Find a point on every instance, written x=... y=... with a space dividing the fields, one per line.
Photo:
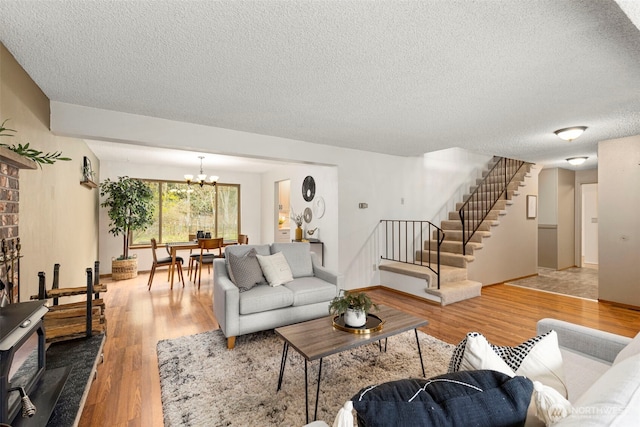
x=480 y=207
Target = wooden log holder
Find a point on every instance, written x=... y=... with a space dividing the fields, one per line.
x=76 y=319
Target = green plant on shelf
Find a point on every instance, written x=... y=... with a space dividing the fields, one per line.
x=40 y=157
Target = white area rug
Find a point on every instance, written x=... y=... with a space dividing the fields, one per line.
x=204 y=384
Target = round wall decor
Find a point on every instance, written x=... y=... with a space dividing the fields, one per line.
x=308 y=188
x=318 y=207
x=307 y=215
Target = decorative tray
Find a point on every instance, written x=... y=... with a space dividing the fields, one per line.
x=373 y=324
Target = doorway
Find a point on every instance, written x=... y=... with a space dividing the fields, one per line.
x=282 y=207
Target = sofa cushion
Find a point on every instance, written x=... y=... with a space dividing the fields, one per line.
x=264 y=298
x=613 y=400
x=469 y=398
x=580 y=372
x=244 y=270
x=310 y=290
x=275 y=268
x=538 y=358
x=298 y=255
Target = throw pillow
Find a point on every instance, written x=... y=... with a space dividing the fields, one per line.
x=538 y=358
x=275 y=269
x=470 y=398
x=245 y=270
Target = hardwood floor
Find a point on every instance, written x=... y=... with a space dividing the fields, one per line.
x=127 y=389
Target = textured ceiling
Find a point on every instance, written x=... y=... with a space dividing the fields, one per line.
x=404 y=78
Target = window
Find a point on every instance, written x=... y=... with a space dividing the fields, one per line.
x=182 y=209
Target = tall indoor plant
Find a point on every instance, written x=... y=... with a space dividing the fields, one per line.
x=130 y=208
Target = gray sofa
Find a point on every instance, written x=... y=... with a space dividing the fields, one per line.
x=265 y=307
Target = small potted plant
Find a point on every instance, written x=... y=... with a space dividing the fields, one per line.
x=354 y=306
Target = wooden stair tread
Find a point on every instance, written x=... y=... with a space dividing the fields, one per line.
x=447 y=272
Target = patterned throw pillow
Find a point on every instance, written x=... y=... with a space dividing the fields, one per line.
x=466 y=398
x=245 y=271
x=538 y=358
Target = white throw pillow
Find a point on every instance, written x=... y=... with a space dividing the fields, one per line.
x=478 y=354
x=613 y=400
x=275 y=268
x=630 y=350
x=538 y=359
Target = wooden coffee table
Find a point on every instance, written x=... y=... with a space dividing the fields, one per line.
x=316 y=339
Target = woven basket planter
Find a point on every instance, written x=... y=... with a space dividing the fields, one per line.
x=122 y=269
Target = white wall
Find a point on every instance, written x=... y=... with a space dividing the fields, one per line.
x=557 y=218
x=619 y=222
x=448 y=175
x=566 y=219
x=512 y=250
x=250 y=206
x=548 y=200
x=377 y=179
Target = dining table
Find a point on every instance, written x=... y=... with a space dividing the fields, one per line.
x=193 y=244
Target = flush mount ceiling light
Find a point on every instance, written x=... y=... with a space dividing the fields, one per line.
x=575 y=161
x=202 y=177
x=569 y=134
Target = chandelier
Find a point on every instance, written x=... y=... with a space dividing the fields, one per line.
x=201 y=178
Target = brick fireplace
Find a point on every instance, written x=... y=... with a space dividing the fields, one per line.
x=10 y=247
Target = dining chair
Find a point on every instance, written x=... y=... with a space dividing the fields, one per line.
x=207 y=258
x=243 y=239
x=192 y=256
x=163 y=262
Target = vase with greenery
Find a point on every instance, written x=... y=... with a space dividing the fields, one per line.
x=130 y=208
x=354 y=306
x=297 y=218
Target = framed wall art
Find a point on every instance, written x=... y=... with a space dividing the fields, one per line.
x=532 y=206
